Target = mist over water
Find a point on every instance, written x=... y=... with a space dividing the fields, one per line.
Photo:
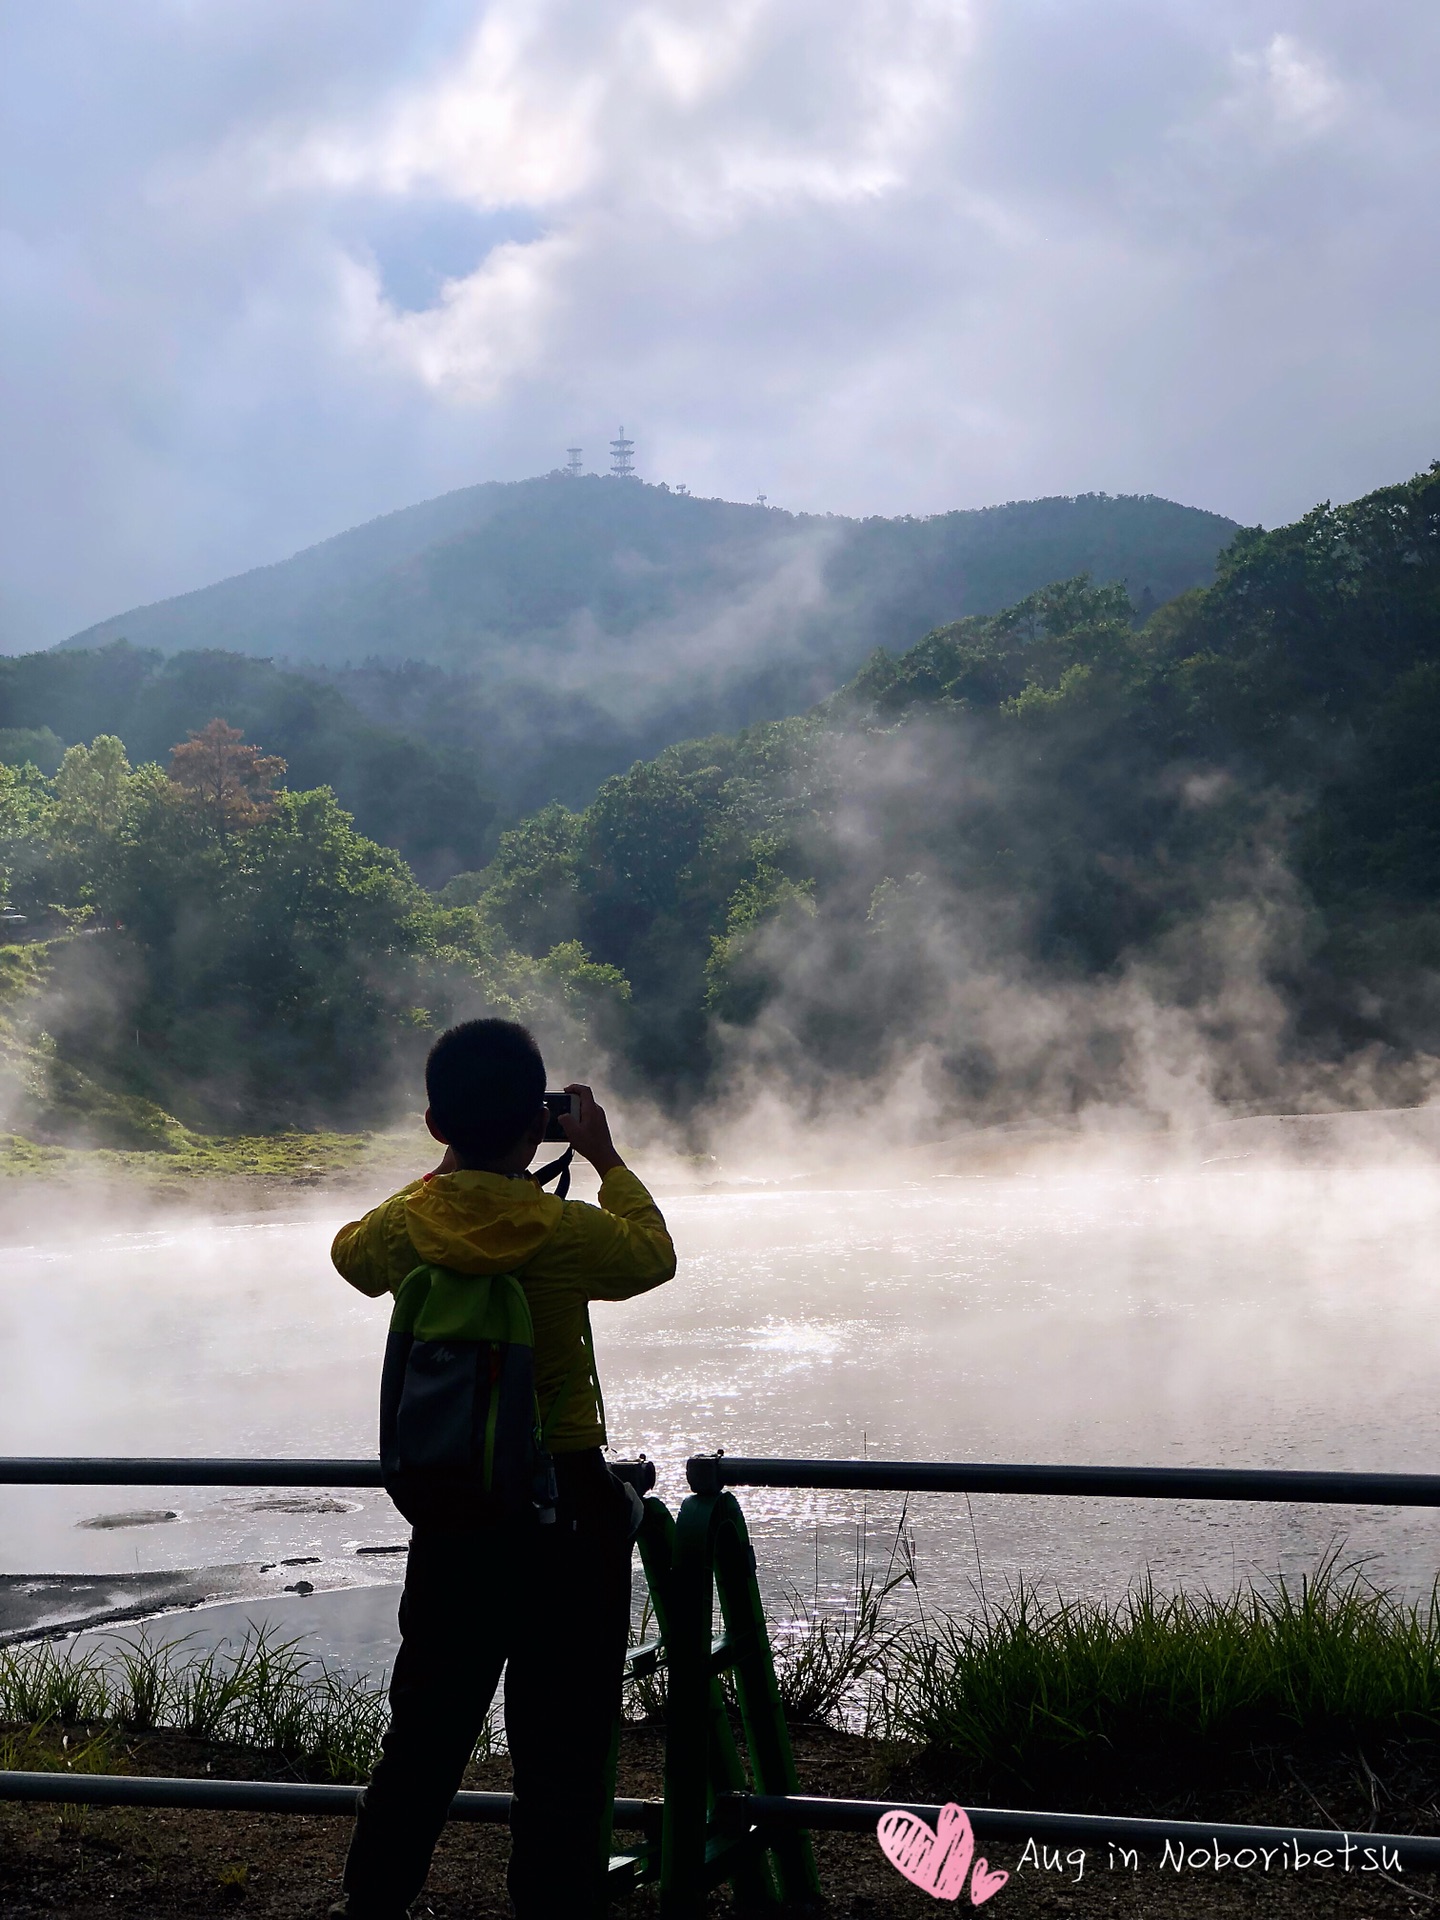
x=1235 y=1313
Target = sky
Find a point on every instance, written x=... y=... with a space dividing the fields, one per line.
x=269 y=268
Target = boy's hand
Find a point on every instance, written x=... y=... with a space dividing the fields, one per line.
x=590 y=1134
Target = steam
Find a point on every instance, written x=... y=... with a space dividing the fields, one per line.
x=768 y=608
x=928 y=1013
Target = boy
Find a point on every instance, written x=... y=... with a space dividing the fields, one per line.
x=551 y=1603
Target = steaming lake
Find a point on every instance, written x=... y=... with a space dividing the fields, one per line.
x=1233 y=1315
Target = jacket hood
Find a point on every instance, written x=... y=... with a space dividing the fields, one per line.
x=480 y=1222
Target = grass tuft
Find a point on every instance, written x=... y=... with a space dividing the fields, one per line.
x=263 y=1694
x=1030 y=1684
x=831 y=1664
x=38 y=1749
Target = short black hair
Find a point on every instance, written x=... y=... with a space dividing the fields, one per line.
x=486 y=1083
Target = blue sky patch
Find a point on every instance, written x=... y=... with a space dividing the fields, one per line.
x=419 y=245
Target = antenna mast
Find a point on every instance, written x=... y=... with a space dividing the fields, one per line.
x=622 y=465
x=572 y=465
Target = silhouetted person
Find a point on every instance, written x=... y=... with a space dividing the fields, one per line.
x=548 y=1603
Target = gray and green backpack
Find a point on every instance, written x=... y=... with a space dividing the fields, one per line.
x=461 y=1439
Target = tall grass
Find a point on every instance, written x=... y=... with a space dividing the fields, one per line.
x=263 y=1694
x=832 y=1663
x=1030 y=1684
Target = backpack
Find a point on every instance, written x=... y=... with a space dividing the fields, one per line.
x=461 y=1439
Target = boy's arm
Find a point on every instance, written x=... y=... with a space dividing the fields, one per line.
x=374 y=1253
x=613 y=1251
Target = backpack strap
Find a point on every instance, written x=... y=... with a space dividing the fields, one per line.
x=436 y=1303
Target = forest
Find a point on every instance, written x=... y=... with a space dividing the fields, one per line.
x=555 y=630
x=223 y=952
x=1070 y=852
x=427 y=799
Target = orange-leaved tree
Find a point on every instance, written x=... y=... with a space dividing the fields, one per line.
x=228 y=782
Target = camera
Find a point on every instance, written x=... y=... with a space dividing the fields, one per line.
x=557 y=1104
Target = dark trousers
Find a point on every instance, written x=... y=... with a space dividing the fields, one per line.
x=550 y=1605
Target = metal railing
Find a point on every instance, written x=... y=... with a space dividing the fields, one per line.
x=708 y=1473
x=62 y=1470
x=261 y=1796
x=1016 y=1824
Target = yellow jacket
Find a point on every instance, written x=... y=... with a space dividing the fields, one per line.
x=566 y=1253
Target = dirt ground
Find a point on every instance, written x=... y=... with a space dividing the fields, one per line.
x=162 y=1865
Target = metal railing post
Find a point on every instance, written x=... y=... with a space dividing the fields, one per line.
x=762 y=1713
x=701 y=1759
x=688 y=1707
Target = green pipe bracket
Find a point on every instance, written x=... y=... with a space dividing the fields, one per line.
x=694 y=1563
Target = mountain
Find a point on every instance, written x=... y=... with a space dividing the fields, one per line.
x=588 y=580
x=1045 y=860
x=547 y=633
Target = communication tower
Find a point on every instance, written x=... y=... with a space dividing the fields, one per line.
x=572 y=465
x=622 y=464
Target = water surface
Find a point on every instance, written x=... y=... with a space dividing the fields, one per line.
x=1232 y=1315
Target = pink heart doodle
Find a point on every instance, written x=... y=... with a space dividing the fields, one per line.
x=936 y=1861
x=985 y=1881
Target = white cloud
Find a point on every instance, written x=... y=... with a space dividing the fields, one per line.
x=490 y=327
x=558 y=104
x=506 y=123
x=1304 y=98
x=875 y=255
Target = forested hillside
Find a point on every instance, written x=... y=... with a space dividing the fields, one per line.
x=200 y=946
x=426 y=798
x=1046 y=858
x=562 y=628
x=1051 y=855
x=468 y=660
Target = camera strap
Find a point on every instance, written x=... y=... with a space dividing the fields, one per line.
x=560 y=1166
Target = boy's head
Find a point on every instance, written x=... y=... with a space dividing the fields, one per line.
x=486 y=1085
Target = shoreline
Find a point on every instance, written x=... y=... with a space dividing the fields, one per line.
x=61 y=1606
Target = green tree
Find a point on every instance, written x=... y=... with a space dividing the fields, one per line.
x=26 y=809
x=94 y=789
x=531 y=886
x=735 y=987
